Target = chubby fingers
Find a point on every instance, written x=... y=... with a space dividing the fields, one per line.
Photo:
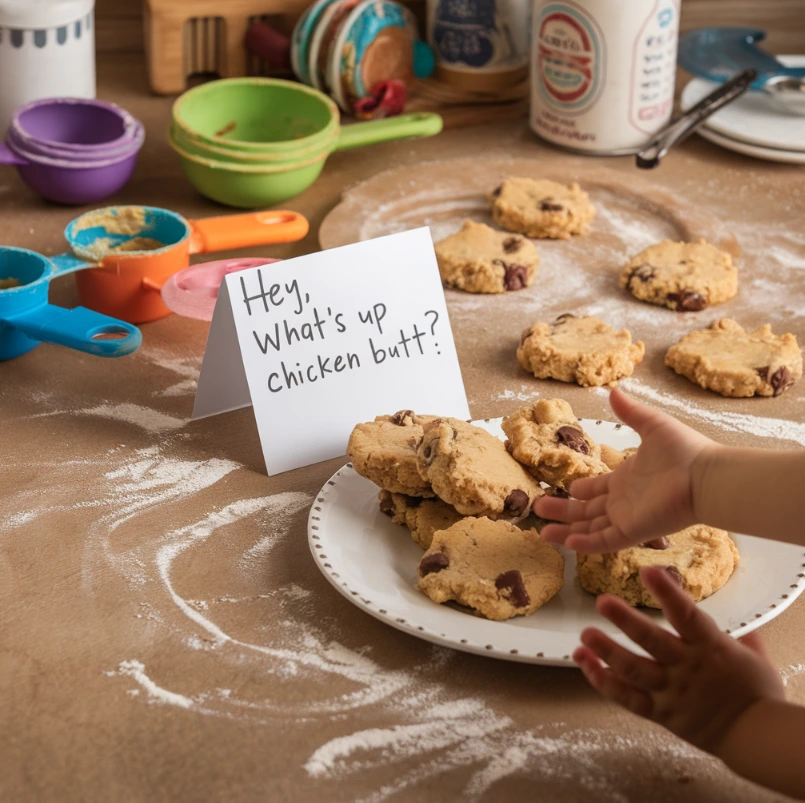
x=569 y=510
x=605 y=682
x=640 y=672
x=692 y=624
x=590 y=487
x=655 y=640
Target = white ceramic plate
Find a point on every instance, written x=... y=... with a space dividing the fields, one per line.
x=769 y=154
x=373 y=563
x=752 y=118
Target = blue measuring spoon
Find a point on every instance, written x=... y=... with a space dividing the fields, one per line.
x=27 y=319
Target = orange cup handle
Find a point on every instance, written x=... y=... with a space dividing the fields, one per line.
x=153 y=284
x=242 y=231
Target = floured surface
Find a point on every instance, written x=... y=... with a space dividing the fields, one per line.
x=166 y=635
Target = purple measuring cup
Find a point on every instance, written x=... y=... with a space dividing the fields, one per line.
x=90 y=127
x=70 y=182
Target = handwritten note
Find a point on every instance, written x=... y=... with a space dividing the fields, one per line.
x=322 y=342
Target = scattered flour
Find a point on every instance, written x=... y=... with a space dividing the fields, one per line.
x=136 y=670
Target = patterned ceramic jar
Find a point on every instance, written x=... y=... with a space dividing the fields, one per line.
x=47 y=50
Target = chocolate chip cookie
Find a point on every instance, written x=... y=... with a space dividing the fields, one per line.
x=733 y=362
x=549 y=441
x=471 y=470
x=423 y=517
x=581 y=350
x=613 y=458
x=384 y=451
x=492 y=567
x=541 y=208
x=686 y=277
x=701 y=559
x=480 y=259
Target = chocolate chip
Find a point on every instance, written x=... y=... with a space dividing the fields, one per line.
x=400 y=417
x=546 y=205
x=573 y=438
x=434 y=562
x=526 y=334
x=675 y=575
x=513 y=583
x=429 y=453
x=512 y=244
x=386 y=503
x=563 y=319
x=559 y=493
x=688 y=301
x=516 y=503
x=516 y=277
x=643 y=272
x=496 y=192
x=658 y=543
x=781 y=380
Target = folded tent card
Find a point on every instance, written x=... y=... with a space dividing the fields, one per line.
x=322 y=342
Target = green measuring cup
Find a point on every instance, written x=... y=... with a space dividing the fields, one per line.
x=248 y=187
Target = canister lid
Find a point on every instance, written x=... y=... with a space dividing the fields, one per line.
x=42 y=13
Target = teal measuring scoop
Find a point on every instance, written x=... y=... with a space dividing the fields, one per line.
x=28 y=319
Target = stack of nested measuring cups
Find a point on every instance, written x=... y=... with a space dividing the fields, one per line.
x=254 y=142
x=73 y=150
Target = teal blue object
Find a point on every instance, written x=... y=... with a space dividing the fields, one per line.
x=27 y=319
x=301 y=36
x=424 y=60
x=717 y=54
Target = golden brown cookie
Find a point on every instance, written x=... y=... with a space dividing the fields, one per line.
x=550 y=442
x=700 y=558
x=733 y=362
x=492 y=567
x=384 y=451
x=581 y=350
x=423 y=517
x=686 y=277
x=541 y=208
x=480 y=259
x=613 y=458
x=471 y=470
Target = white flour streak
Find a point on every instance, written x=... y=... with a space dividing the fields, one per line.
x=143 y=417
x=776 y=428
x=510 y=395
x=136 y=670
x=186 y=367
x=791 y=671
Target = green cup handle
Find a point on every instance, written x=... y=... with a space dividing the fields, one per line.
x=403 y=126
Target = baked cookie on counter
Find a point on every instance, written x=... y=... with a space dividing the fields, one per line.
x=727 y=359
x=480 y=259
x=493 y=567
x=686 y=277
x=541 y=208
x=581 y=350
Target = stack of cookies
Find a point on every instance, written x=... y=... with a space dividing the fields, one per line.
x=467 y=498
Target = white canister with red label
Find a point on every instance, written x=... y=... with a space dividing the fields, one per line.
x=602 y=71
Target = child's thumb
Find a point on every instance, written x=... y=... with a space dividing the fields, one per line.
x=633 y=413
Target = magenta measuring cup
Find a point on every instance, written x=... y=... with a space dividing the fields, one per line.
x=192 y=292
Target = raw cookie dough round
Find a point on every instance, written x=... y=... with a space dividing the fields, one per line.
x=549 y=441
x=384 y=451
x=700 y=558
x=480 y=259
x=686 y=277
x=471 y=470
x=733 y=362
x=423 y=517
x=492 y=567
x=541 y=208
x=581 y=350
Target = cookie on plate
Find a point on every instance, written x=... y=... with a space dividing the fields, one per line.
x=733 y=362
x=686 y=277
x=480 y=259
x=384 y=451
x=541 y=208
x=549 y=441
x=581 y=350
x=612 y=458
x=471 y=470
x=700 y=558
x=423 y=517
x=492 y=567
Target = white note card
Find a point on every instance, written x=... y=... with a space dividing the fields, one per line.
x=320 y=343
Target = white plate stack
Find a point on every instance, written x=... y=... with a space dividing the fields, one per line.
x=753 y=124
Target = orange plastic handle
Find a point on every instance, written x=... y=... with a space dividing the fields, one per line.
x=242 y=231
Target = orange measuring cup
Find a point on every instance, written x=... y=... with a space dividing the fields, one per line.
x=133 y=250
